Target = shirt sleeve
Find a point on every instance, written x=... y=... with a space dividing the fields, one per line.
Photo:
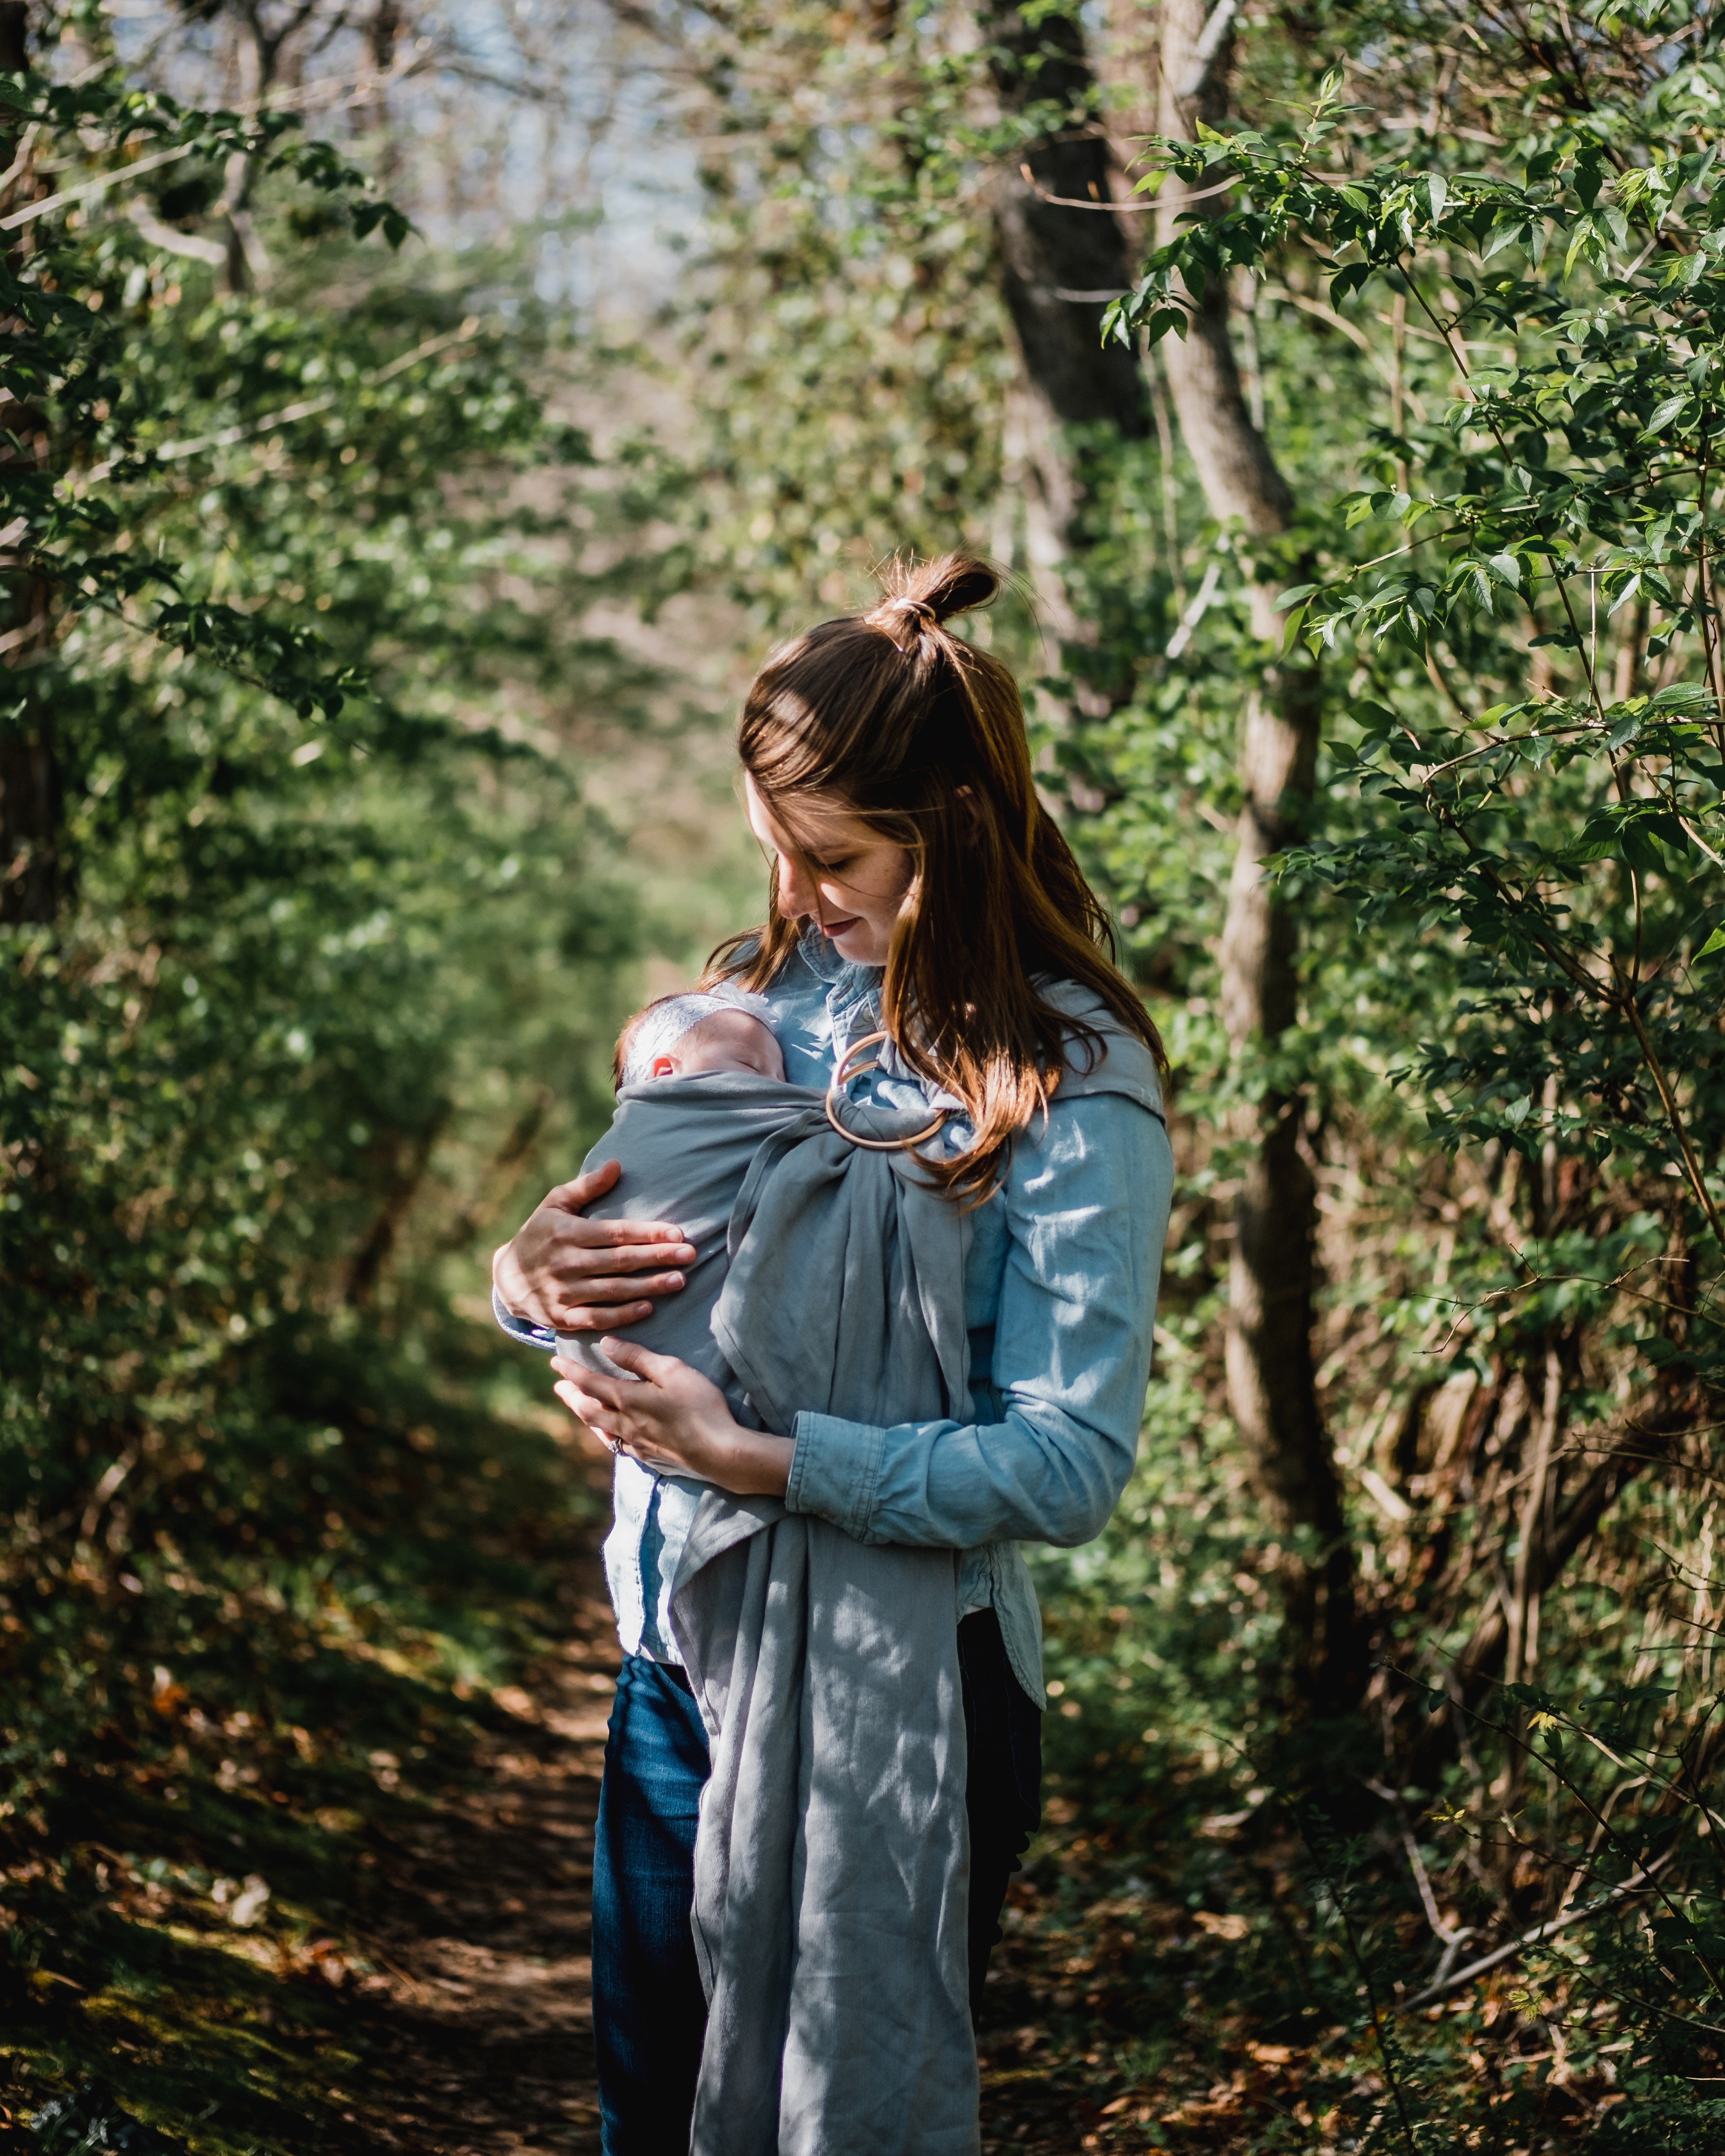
x=1087 y=1196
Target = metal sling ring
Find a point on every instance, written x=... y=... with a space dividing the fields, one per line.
x=841 y=1077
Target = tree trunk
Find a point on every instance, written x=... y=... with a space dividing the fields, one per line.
x=366 y=1269
x=1271 y=1378
x=1553 y=1534
x=1058 y=268
x=30 y=789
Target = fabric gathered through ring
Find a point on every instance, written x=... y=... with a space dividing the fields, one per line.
x=842 y=1076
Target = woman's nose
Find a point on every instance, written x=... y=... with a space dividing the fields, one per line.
x=796 y=894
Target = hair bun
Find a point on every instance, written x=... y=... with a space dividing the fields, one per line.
x=934 y=591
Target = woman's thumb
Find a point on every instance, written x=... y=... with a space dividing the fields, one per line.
x=639 y=1362
x=584 y=1188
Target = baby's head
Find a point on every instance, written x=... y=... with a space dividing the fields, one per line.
x=683 y=1036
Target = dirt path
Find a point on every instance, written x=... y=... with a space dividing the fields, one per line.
x=484 y=2014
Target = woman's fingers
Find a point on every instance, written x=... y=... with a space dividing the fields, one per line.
x=598 y=1307
x=616 y=1288
x=587 y=1317
x=642 y=1363
x=622 y=1403
x=614 y=1235
x=605 y=1273
x=658 y=1410
x=585 y=1410
x=591 y=1397
x=609 y=1420
x=604 y=1392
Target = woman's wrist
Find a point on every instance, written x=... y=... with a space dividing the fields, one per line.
x=753 y=1463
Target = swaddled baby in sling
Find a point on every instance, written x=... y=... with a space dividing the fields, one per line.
x=831 y=1865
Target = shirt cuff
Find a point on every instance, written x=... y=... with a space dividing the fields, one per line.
x=520 y=1328
x=835 y=1471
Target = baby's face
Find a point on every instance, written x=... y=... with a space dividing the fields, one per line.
x=728 y=1040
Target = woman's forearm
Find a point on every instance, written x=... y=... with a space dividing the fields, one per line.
x=755 y=1464
x=957 y=1486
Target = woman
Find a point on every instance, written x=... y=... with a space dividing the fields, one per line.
x=919 y=892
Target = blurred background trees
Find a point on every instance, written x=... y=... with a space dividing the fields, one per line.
x=374 y=599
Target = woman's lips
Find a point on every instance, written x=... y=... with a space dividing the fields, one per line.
x=837 y=928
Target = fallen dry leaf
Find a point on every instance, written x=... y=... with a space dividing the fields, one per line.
x=1220 y=1928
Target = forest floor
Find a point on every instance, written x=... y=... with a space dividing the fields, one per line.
x=319 y=1886
x=402 y=1962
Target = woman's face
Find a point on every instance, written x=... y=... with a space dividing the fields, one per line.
x=857 y=879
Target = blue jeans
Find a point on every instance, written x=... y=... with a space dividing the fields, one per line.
x=648 y=2007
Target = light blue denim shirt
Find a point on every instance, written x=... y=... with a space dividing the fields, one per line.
x=1060 y=1291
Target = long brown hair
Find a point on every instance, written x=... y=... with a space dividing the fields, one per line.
x=922 y=736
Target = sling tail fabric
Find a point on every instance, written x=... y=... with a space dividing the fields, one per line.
x=832 y=1864
x=831 y=1870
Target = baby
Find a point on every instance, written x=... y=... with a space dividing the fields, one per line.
x=684 y=1149
x=687 y=1036
x=700 y=1081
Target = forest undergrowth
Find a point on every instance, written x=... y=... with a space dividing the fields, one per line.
x=218 y=1885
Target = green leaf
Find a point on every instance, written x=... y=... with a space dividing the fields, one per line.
x=1716 y=941
x=1503 y=234
x=1665 y=411
x=1640 y=851
x=1683 y=272
x=1597 y=841
x=1682 y=696
x=1293 y=594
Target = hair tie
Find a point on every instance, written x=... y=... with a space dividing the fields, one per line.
x=920 y=608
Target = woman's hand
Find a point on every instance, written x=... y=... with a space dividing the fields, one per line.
x=674 y=1420
x=579 y=1275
